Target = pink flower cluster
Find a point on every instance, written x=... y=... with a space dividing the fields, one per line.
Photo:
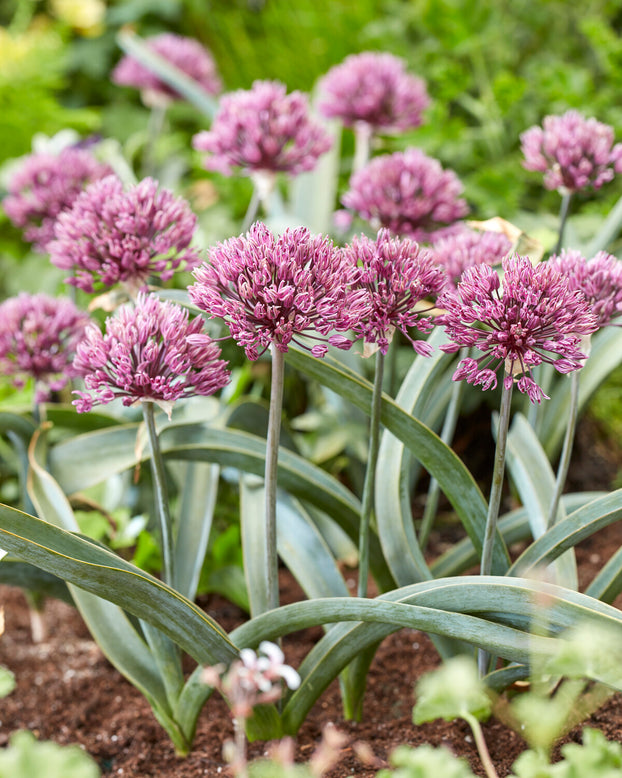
x=186 y=54
x=38 y=338
x=270 y=289
x=409 y=193
x=393 y=277
x=373 y=88
x=466 y=248
x=534 y=317
x=149 y=352
x=263 y=130
x=113 y=236
x=573 y=152
x=44 y=186
x=599 y=278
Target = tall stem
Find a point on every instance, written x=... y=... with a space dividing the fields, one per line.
x=362 y=145
x=370 y=474
x=161 y=496
x=564 y=460
x=563 y=216
x=270 y=478
x=447 y=433
x=497 y=481
x=154 y=130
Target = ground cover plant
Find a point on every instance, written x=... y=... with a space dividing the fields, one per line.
x=292 y=380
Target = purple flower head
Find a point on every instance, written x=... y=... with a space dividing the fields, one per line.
x=394 y=276
x=38 y=339
x=409 y=193
x=270 y=289
x=573 y=152
x=466 y=248
x=186 y=54
x=44 y=186
x=111 y=236
x=263 y=129
x=149 y=352
x=373 y=88
x=599 y=278
x=532 y=317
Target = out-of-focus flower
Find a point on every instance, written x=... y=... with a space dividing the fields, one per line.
x=44 y=186
x=395 y=276
x=409 y=193
x=38 y=339
x=252 y=679
x=186 y=54
x=373 y=88
x=573 y=152
x=263 y=130
x=85 y=16
x=271 y=289
x=113 y=236
x=599 y=278
x=466 y=248
x=534 y=317
x=150 y=351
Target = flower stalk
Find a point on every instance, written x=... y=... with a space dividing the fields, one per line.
x=564 y=460
x=370 y=474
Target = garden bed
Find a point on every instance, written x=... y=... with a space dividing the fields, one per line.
x=68 y=692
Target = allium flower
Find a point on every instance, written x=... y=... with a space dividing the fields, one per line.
x=599 y=278
x=44 y=186
x=573 y=152
x=149 y=352
x=373 y=88
x=38 y=339
x=394 y=276
x=265 y=130
x=271 y=289
x=407 y=192
x=252 y=679
x=466 y=248
x=186 y=54
x=533 y=317
x=111 y=236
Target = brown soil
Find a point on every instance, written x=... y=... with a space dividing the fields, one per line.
x=68 y=692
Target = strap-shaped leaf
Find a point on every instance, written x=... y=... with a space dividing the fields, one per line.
x=607 y=584
x=95 y=569
x=439 y=460
x=504 y=610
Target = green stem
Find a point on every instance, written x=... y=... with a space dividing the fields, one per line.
x=563 y=216
x=447 y=433
x=362 y=145
x=154 y=130
x=480 y=743
x=270 y=478
x=564 y=460
x=161 y=496
x=370 y=474
x=252 y=210
x=390 y=374
x=497 y=481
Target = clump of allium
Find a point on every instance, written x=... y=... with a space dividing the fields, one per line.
x=186 y=54
x=44 y=186
x=38 y=339
x=263 y=130
x=270 y=289
x=407 y=192
x=394 y=277
x=532 y=317
x=466 y=248
x=373 y=88
x=599 y=278
x=573 y=152
x=112 y=236
x=150 y=351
